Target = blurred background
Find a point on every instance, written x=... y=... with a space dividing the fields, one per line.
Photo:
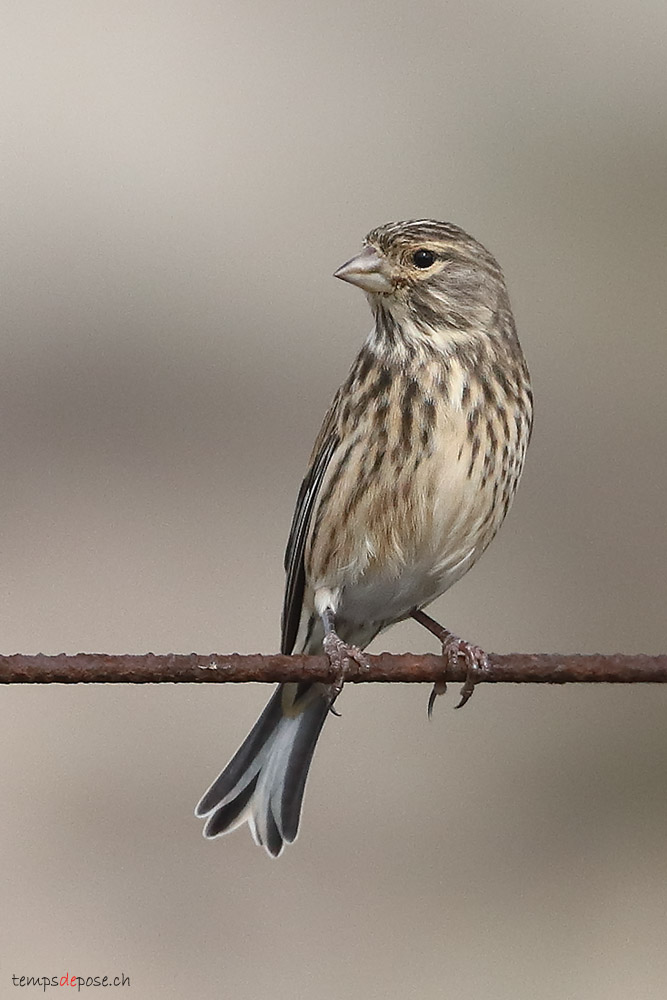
x=179 y=182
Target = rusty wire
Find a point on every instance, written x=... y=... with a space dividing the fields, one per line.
x=189 y=668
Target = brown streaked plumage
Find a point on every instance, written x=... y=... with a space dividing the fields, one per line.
x=411 y=475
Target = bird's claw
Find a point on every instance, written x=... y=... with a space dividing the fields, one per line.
x=476 y=662
x=438 y=689
x=340 y=653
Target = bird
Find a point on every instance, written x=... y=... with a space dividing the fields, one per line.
x=412 y=473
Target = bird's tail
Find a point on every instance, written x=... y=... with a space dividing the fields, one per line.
x=264 y=782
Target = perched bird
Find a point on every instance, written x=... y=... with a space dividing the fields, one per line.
x=411 y=475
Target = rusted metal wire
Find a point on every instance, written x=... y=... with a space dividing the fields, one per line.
x=406 y=668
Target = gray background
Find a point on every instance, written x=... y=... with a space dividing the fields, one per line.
x=179 y=181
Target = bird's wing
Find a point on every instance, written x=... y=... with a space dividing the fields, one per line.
x=325 y=445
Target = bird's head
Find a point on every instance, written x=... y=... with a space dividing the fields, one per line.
x=431 y=273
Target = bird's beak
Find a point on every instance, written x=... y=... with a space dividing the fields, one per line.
x=369 y=270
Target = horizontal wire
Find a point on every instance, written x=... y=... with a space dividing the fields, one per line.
x=410 y=668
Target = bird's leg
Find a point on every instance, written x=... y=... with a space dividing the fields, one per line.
x=475 y=659
x=339 y=652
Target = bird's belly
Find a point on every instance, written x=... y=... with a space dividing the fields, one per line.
x=411 y=531
x=382 y=599
x=416 y=559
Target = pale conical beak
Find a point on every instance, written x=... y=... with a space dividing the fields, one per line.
x=369 y=270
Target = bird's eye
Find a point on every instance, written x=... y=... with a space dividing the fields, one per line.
x=423 y=258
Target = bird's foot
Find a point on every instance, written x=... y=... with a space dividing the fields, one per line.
x=476 y=663
x=340 y=653
x=476 y=660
